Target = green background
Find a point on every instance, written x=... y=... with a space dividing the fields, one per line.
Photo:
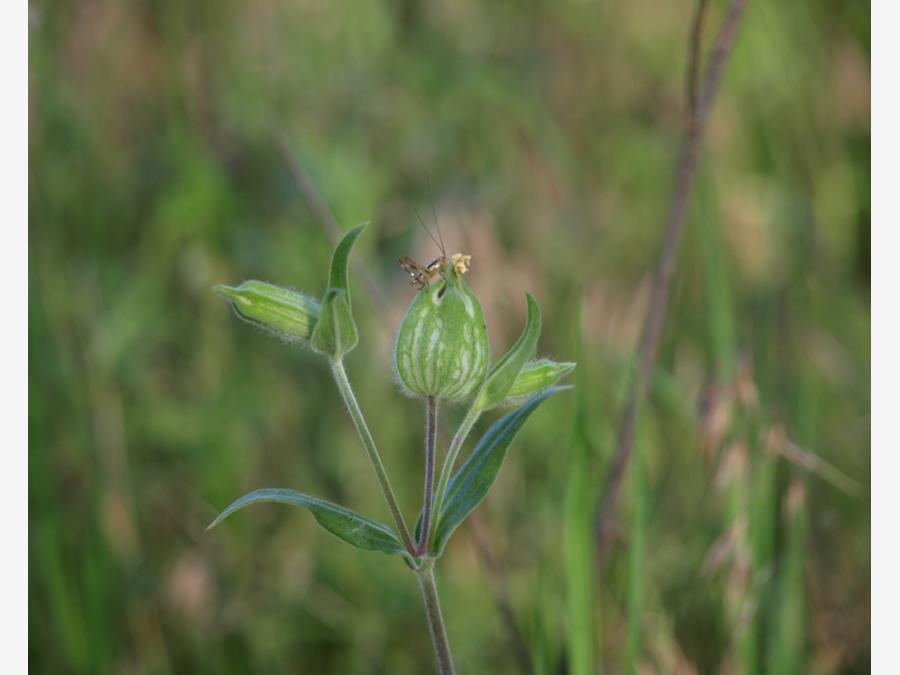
x=546 y=136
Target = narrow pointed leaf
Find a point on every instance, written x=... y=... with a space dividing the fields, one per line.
x=471 y=483
x=503 y=375
x=340 y=521
x=338 y=277
x=335 y=334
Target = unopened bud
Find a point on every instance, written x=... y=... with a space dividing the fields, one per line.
x=288 y=314
x=534 y=377
x=442 y=345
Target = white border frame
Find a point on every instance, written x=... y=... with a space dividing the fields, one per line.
x=885 y=327
x=14 y=363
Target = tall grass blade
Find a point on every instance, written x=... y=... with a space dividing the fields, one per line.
x=720 y=304
x=579 y=533
x=786 y=654
x=636 y=555
x=541 y=659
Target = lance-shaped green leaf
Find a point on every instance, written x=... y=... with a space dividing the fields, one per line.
x=335 y=334
x=534 y=377
x=288 y=314
x=471 y=483
x=504 y=373
x=338 y=276
x=342 y=522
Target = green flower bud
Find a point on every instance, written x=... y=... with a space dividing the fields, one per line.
x=290 y=315
x=442 y=345
x=336 y=333
x=534 y=377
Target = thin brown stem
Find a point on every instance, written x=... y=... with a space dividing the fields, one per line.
x=696 y=55
x=431 y=410
x=662 y=282
x=807 y=459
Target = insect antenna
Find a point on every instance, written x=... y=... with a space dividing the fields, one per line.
x=437 y=223
x=439 y=244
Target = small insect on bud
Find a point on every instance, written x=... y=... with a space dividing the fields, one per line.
x=290 y=315
x=442 y=345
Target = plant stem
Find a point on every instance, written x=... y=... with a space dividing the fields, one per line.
x=431 y=408
x=700 y=105
x=343 y=385
x=458 y=439
x=425 y=576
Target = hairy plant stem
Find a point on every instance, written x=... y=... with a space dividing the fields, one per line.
x=447 y=469
x=425 y=576
x=343 y=385
x=431 y=410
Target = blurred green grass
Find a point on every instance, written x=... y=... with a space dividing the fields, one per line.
x=549 y=133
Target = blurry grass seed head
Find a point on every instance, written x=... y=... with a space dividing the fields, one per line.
x=441 y=348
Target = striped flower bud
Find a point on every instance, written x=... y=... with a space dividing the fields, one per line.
x=442 y=345
x=286 y=313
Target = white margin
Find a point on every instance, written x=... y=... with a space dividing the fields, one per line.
x=885 y=355
x=885 y=58
x=14 y=364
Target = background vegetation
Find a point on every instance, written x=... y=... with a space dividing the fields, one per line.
x=549 y=132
